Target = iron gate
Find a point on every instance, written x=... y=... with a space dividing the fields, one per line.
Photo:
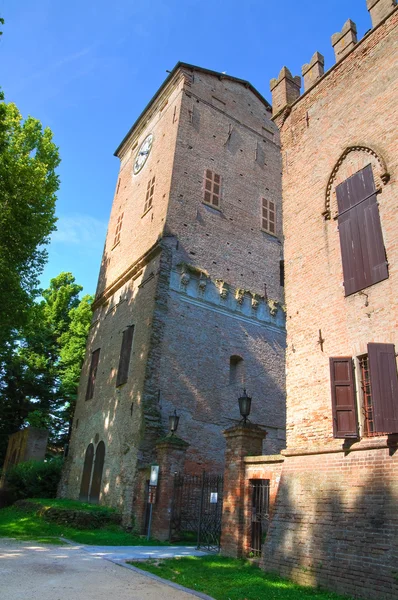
x=197 y=509
x=259 y=489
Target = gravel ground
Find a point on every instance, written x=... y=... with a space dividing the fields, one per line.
x=44 y=572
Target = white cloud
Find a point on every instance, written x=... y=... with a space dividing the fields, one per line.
x=80 y=229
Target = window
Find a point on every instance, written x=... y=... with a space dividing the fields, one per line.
x=236 y=370
x=361 y=239
x=149 y=194
x=118 y=229
x=268 y=216
x=92 y=374
x=212 y=188
x=124 y=360
x=282 y=273
x=379 y=388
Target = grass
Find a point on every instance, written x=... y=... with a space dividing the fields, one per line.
x=29 y=526
x=230 y=579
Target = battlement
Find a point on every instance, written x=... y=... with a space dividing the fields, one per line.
x=286 y=89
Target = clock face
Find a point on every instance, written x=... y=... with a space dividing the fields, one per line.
x=142 y=154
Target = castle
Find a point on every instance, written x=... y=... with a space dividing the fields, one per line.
x=201 y=322
x=189 y=305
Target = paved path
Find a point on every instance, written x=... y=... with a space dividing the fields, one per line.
x=43 y=572
x=142 y=552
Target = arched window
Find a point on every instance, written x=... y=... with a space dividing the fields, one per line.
x=236 y=370
x=97 y=473
x=86 y=476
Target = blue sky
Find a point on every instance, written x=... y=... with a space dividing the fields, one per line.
x=86 y=69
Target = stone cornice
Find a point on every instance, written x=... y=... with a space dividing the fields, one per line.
x=132 y=272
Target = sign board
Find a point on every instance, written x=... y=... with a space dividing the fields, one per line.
x=153 y=480
x=213 y=498
x=152 y=494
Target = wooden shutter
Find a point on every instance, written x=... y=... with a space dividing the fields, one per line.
x=384 y=385
x=345 y=422
x=97 y=473
x=361 y=238
x=86 y=475
x=92 y=374
x=124 y=360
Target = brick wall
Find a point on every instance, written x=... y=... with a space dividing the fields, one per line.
x=335 y=524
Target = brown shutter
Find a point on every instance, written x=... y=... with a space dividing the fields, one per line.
x=124 y=360
x=361 y=238
x=92 y=374
x=345 y=422
x=384 y=384
x=97 y=473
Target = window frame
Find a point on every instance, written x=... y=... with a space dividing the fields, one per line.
x=149 y=194
x=92 y=374
x=373 y=404
x=125 y=355
x=267 y=217
x=118 y=230
x=210 y=191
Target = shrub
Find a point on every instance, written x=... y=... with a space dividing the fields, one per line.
x=33 y=479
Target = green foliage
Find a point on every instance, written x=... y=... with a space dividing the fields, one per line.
x=30 y=524
x=40 y=370
x=35 y=479
x=230 y=579
x=28 y=184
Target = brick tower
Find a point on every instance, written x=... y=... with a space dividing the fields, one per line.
x=189 y=304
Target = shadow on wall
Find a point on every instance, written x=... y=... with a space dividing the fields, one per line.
x=337 y=527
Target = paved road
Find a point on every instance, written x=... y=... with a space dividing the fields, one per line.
x=43 y=572
x=142 y=552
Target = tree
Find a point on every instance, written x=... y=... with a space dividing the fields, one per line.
x=28 y=184
x=40 y=372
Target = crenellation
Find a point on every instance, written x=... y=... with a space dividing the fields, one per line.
x=313 y=71
x=344 y=41
x=380 y=9
x=285 y=90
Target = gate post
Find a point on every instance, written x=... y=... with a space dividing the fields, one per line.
x=170 y=452
x=241 y=440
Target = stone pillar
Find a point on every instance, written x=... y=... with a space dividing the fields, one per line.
x=379 y=9
x=313 y=71
x=170 y=452
x=285 y=90
x=242 y=440
x=344 y=41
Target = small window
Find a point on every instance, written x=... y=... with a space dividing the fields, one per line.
x=212 y=188
x=282 y=273
x=368 y=422
x=92 y=374
x=236 y=370
x=125 y=352
x=268 y=216
x=149 y=194
x=379 y=386
x=118 y=229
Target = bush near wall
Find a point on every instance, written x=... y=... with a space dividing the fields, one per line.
x=33 y=479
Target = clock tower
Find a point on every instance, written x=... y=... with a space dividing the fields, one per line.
x=189 y=303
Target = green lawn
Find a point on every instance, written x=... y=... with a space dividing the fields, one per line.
x=28 y=525
x=230 y=579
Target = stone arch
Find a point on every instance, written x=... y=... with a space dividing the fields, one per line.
x=86 y=475
x=351 y=160
x=97 y=473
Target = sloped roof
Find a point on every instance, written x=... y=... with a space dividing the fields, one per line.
x=181 y=65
